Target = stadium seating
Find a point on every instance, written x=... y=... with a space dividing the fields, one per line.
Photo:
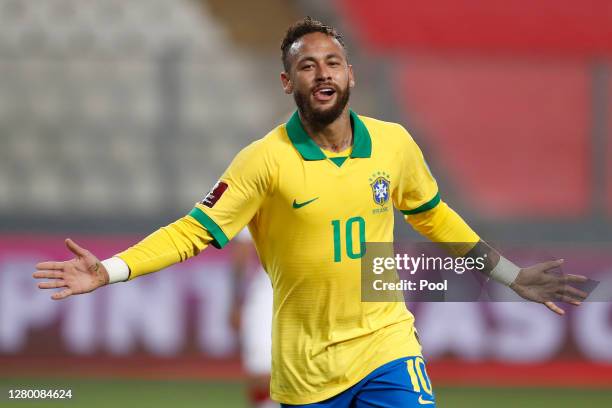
x=100 y=99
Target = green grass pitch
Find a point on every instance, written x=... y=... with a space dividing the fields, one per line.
x=206 y=394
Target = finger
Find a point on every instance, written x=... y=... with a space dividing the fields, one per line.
x=52 y=284
x=75 y=249
x=552 y=264
x=576 y=278
x=62 y=294
x=46 y=274
x=577 y=294
x=50 y=265
x=568 y=299
x=554 y=308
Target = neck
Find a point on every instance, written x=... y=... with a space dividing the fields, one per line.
x=335 y=137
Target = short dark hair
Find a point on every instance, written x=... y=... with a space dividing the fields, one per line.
x=299 y=29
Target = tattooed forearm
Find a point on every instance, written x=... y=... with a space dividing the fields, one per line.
x=99 y=275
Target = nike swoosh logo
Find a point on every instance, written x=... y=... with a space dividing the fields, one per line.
x=300 y=205
x=424 y=401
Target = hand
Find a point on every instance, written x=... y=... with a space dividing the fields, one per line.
x=82 y=274
x=540 y=284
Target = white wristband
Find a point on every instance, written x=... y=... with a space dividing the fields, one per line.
x=118 y=270
x=505 y=271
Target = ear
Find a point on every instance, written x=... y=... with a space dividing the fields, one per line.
x=351 y=76
x=286 y=81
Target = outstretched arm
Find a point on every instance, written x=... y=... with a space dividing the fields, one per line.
x=227 y=208
x=416 y=195
x=85 y=272
x=538 y=283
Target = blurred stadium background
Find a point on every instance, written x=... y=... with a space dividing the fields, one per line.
x=117 y=115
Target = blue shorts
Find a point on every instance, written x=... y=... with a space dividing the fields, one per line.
x=399 y=383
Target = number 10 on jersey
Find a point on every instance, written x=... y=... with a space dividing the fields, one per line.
x=350 y=225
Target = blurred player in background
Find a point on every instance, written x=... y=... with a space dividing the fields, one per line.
x=313 y=192
x=252 y=317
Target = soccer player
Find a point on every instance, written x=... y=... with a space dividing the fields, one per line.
x=252 y=317
x=312 y=191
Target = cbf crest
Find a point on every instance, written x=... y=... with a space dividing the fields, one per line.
x=381 y=187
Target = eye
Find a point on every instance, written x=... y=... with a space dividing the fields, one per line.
x=334 y=63
x=307 y=66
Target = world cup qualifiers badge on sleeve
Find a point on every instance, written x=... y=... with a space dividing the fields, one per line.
x=215 y=194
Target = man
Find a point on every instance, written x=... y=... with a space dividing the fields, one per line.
x=306 y=192
x=252 y=317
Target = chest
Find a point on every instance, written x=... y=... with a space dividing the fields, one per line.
x=322 y=190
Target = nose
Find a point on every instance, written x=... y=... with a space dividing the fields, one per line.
x=323 y=73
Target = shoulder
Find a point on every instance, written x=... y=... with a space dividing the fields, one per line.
x=262 y=156
x=389 y=133
x=273 y=143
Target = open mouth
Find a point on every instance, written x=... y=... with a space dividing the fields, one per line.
x=324 y=94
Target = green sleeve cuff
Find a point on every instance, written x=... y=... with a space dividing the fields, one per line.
x=219 y=237
x=424 y=207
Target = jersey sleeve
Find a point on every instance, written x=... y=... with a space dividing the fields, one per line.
x=168 y=245
x=238 y=195
x=418 y=198
x=442 y=224
x=417 y=190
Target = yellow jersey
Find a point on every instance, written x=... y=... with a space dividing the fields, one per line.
x=310 y=214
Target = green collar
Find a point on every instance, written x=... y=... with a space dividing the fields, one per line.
x=362 y=143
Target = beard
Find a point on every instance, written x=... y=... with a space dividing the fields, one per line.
x=319 y=118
